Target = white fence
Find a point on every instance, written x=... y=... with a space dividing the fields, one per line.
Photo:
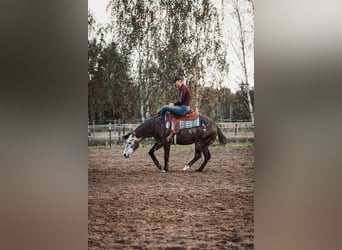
x=108 y=134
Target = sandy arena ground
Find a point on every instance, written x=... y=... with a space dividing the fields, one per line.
x=131 y=205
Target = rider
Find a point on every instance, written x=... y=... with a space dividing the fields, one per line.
x=182 y=106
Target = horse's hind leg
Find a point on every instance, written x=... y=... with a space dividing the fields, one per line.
x=207 y=156
x=155 y=147
x=196 y=157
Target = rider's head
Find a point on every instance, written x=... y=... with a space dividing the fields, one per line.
x=178 y=80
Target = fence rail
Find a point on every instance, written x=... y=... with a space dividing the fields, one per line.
x=108 y=134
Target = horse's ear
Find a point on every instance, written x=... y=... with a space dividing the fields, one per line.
x=126 y=136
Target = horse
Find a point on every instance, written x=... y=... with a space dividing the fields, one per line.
x=203 y=136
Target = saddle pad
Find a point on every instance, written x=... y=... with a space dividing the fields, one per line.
x=177 y=124
x=189 y=123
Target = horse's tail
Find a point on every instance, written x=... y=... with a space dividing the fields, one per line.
x=222 y=138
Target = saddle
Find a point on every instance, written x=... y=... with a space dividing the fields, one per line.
x=191 y=115
x=176 y=122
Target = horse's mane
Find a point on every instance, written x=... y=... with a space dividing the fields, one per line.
x=148 y=124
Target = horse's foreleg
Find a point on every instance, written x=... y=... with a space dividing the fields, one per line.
x=207 y=156
x=166 y=156
x=196 y=157
x=155 y=147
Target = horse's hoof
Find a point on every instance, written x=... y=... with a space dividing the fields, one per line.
x=162 y=171
x=186 y=168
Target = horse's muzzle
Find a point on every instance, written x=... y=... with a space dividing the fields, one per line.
x=125 y=155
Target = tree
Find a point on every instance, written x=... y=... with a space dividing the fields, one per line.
x=111 y=94
x=241 y=106
x=163 y=38
x=154 y=40
x=222 y=104
x=245 y=45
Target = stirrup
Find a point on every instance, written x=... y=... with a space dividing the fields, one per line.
x=169 y=138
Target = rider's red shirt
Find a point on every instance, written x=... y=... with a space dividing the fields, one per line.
x=184 y=96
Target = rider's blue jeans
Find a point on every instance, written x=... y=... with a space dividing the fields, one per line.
x=178 y=110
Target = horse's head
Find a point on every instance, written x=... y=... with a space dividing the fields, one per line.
x=132 y=144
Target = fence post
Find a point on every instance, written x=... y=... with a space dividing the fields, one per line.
x=236 y=129
x=110 y=134
x=94 y=127
x=114 y=131
x=88 y=131
x=119 y=131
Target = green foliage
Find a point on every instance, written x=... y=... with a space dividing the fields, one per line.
x=165 y=38
x=129 y=77
x=111 y=93
x=241 y=110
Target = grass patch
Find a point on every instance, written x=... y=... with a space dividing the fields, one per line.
x=244 y=143
x=234 y=144
x=98 y=147
x=149 y=144
x=241 y=144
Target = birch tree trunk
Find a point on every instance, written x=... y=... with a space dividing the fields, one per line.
x=242 y=37
x=141 y=89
